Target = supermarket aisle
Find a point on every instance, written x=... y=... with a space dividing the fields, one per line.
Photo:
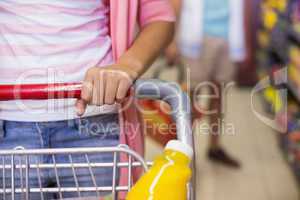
x=264 y=175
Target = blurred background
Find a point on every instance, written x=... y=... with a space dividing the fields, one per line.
x=263 y=108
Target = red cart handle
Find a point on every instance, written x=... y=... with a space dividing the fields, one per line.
x=40 y=91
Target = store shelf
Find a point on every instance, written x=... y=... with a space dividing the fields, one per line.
x=294 y=89
x=277 y=44
x=294 y=34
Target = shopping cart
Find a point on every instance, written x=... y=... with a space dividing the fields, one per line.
x=19 y=164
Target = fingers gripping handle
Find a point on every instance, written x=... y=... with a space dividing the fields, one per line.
x=148 y=89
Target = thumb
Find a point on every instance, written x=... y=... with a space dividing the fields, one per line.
x=80 y=107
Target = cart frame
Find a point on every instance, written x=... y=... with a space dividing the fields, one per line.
x=19 y=157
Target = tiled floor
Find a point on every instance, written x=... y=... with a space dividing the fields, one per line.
x=264 y=174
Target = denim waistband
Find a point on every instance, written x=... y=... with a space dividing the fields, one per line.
x=81 y=123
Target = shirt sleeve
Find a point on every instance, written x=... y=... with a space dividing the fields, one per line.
x=237 y=32
x=155 y=10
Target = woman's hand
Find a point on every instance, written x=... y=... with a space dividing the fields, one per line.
x=105 y=85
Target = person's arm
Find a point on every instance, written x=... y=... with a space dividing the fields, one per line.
x=177 y=6
x=171 y=51
x=106 y=85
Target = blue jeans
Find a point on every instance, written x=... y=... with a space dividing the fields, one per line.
x=99 y=131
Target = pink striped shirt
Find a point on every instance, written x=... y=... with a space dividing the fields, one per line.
x=51 y=41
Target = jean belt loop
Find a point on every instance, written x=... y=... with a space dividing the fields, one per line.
x=1 y=128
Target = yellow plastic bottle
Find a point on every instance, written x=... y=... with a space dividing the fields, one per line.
x=168 y=177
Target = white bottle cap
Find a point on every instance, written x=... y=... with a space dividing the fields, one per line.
x=176 y=145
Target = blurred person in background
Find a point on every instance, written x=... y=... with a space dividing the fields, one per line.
x=210 y=43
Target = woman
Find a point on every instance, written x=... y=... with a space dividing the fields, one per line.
x=77 y=41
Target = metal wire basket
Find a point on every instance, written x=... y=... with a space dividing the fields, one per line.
x=23 y=172
x=16 y=167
